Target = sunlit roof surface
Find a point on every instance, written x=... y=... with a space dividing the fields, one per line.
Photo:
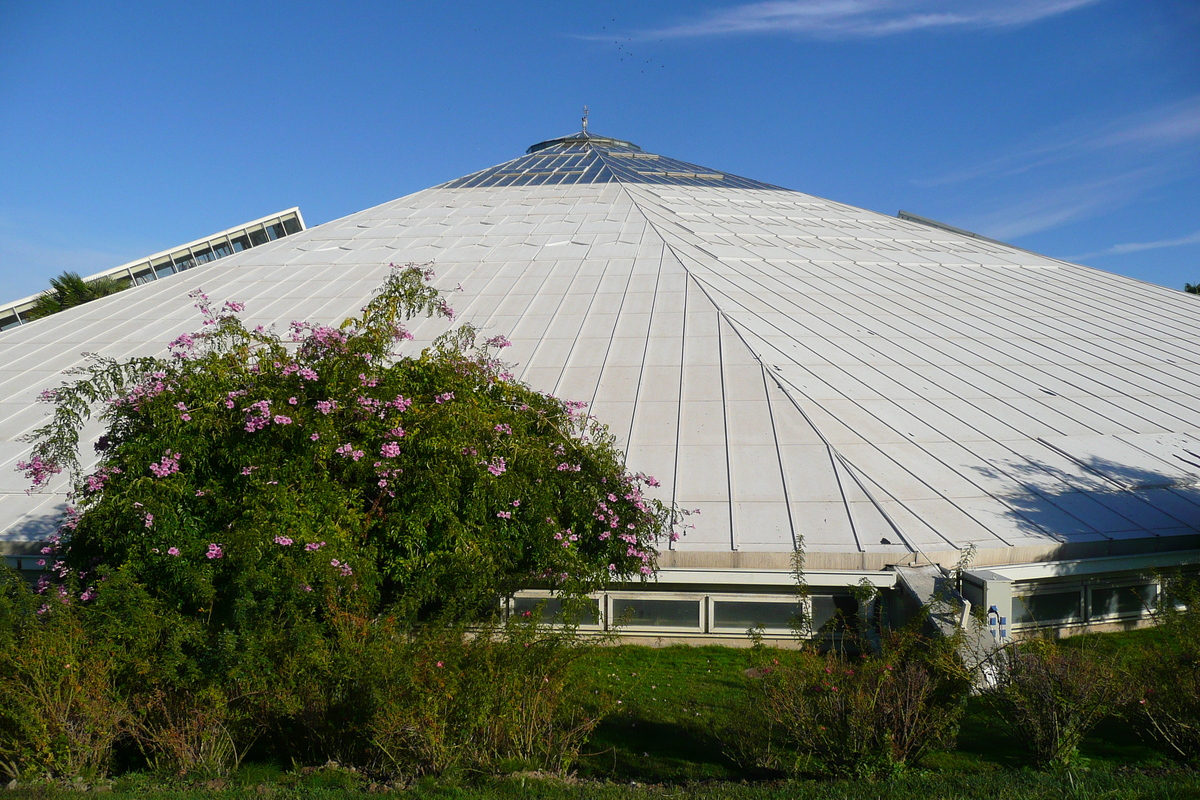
x=795 y=368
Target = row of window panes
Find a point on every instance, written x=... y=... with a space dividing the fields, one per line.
x=184 y=260
x=687 y=613
x=1084 y=604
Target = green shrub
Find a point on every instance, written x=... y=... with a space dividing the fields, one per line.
x=60 y=708
x=1050 y=696
x=833 y=715
x=1168 y=708
x=494 y=699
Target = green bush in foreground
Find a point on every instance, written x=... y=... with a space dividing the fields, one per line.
x=1050 y=696
x=1168 y=707
x=811 y=714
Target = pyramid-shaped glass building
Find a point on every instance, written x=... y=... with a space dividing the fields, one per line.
x=883 y=392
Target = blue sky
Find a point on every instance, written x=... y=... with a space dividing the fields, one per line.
x=1069 y=127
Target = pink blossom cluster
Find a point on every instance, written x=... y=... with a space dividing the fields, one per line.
x=342 y=567
x=182 y=346
x=389 y=450
x=327 y=406
x=318 y=340
x=169 y=465
x=96 y=481
x=444 y=398
x=312 y=547
x=498 y=342
x=39 y=471
x=347 y=451
x=497 y=466
x=283 y=540
x=214 y=551
x=258 y=416
x=147 y=389
x=503 y=428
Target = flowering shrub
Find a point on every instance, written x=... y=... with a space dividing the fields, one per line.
x=257 y=491
x=432 y=479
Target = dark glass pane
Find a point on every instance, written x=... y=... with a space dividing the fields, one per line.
x=167 y=269
x=241 y=243
x=746 y=614
x=275 y=231
x=222 y=250
x=258 y=237
x=1111 y=601
x=550 y=609
x=291 y=225
x=1048 y=608
x=657 y=613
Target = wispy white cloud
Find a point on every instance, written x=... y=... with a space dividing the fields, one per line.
x=1167 y=125
x=1137 y=247
x=1049 y=209
x=848 y=19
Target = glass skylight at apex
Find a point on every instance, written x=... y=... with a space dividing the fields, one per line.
x=586 y=158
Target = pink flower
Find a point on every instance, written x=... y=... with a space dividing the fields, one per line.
x=214 y=551
x=444 y=398
x=315 y=436
x=172 y=551
x=312 y=546
x=280 y=419
x=149 y=519
x=283 y=540
x=504 y=514
x=390 y=450
x=440 y=665
x=497 y=466
x=292 y=400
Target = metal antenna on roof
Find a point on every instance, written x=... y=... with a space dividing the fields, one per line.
x=585 y=113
